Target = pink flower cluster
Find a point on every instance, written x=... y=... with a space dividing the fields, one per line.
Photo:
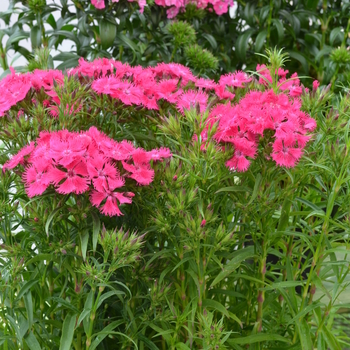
x=100 y=4
x=15 y=87
x=175 y=6
x=87 y=161
x=147 y=87
x=244 y=124
x=173 y=85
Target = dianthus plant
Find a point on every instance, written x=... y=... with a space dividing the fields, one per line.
x=147 y=208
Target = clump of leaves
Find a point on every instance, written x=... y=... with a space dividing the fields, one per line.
x=200 y=59
x=183 y=33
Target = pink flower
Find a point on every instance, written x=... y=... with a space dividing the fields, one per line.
x=36 y=177
x=19 y=157
x=220 y=7
x=103 y=174
x=190 y=99
x=99 y=4
x=315 y=84
x=141 y=173
x=206 y=84
x=285 y=153
x=110 y=207
x=237 y=79
x=238 y=162
x=75 y=179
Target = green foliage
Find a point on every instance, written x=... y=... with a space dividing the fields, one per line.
x=200 y=59
x=309 y=31
x=183 y=33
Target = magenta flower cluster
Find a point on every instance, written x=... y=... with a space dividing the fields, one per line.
x=175 y=6
x=260 y=112
x=78 y=162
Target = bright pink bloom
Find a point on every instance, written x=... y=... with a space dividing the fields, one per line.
x=36 y=177
x=75 y=179
x=99 y=4
x=285 y=153
x=19 y=157
x=103 y=174
x=190 y=99
x=237 y=79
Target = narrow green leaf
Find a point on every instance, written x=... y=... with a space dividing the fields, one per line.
x=32 y=342
x=96 y=225
x=27 y=286
x=50 y=218
x=28 y=302
x=35 y=37
x=107 y=295
x=213 y=304
x=234 y=263
x=260 y=40
x=84 y=243
x=255 y=338
x=148 y=342
x=257 y=184
x=284 y=218
x=241 y=44
x=234 y=189
x=67 y=332
x=181 y=346
x=211 y=40
x=304 y=335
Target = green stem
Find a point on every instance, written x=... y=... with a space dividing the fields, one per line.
x=261 y=293
x=269 y=21
x=92 y=318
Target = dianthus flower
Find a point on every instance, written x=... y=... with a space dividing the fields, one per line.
x=73 y=162
x=191 y=98
x=241 y=126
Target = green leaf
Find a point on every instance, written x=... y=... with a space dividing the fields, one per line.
x=35 y=37
x=148 y=342
x=84 y=243
x=108 y=330
x=107 y=295
x=234 y=189
x=50 y=218
x=241 y=44
x=128 y=42
x=257 y=184
x=331 y=340
x=284 y=218
x=277 y=23
x=211 y=40
x=28 y=302
x=96 y=225
x=336 y=35
x=15 y=37
x=213 y=304
x=299 y=57
x=67 y=332
x=32 y=342
x=235 y=262
x=260 y=40
x=26 y=287
x=256 y=338
x=51 y=21
x=181 y=346
x=108 y=32
x=304 y=335
x=72 y=62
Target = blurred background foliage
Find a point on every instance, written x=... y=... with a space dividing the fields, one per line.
x=314 y=33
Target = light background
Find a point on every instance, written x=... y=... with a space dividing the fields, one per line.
x=14 y=60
